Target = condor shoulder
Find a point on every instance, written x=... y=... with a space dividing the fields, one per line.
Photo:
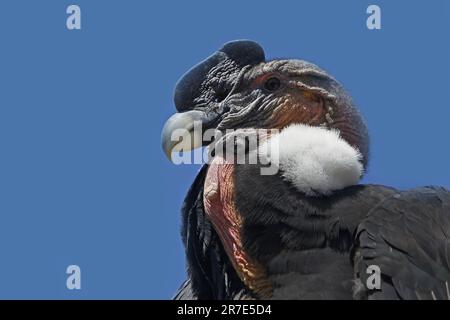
x=408 y=237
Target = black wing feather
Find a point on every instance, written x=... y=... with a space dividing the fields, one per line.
x=407 y=236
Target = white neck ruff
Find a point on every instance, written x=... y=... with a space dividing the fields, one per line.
x=317 y=161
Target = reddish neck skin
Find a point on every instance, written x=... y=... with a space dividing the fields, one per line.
x=219 y=189
x=219 y=202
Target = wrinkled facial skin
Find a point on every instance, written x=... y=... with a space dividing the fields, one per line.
x=273 y=95
x=200 y=92
x=208 y=83
x=214 y=88
x=303 y=94
x=236 y=91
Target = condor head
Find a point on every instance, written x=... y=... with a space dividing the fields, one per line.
x=236 y=88
x=322 y=140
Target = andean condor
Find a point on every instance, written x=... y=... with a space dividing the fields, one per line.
x=310 y=231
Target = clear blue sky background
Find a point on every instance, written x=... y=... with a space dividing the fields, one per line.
x=82 y=176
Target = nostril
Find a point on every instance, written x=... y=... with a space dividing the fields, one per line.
x=220 y=95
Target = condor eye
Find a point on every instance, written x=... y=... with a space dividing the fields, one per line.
x=272 y=84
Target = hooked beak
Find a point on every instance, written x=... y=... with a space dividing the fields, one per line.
x=184 y=132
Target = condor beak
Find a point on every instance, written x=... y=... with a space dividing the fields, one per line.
x=183 y=132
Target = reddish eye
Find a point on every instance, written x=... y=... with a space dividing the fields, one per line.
x=272 y=84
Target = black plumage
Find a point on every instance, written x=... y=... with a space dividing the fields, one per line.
x=310 y=247
x=211 y=275
x=327 y=243
x=408 y=237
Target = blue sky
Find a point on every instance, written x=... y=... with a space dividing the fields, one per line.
x=83 y=179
